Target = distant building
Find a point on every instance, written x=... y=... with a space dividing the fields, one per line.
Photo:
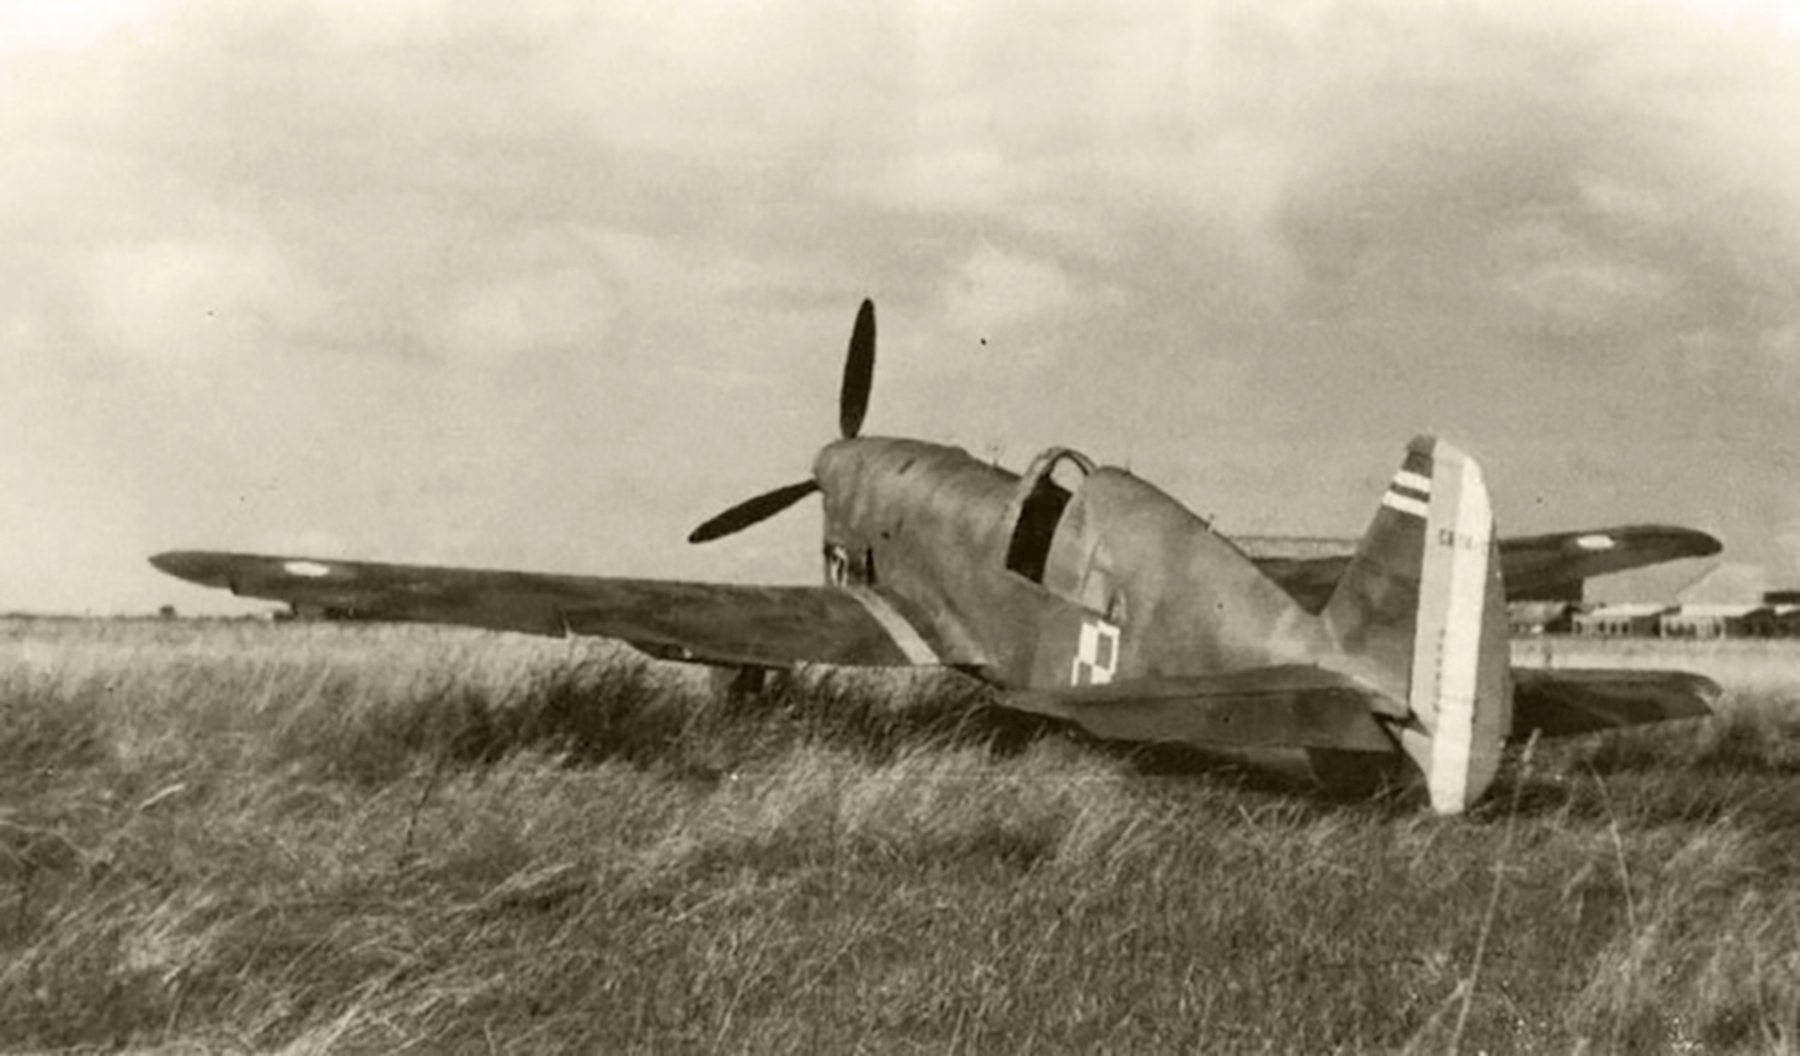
x=1773 y=621
x=1629 y=620
x=1691 y=621
x=307 y=612
x=1707 y=620
x=1528 y=619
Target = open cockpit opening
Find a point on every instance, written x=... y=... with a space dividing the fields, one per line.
x=1051 y=482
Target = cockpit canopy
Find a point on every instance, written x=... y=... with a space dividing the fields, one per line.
x=1053 y=478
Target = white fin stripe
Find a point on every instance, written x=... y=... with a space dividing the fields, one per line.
x=915 y=648
x=1396 y=501
x=1416 y=481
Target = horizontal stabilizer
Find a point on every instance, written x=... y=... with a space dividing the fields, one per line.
x=1295 y=706
x=1564 y=702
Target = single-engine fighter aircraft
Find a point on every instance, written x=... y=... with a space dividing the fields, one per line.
x=1083 y=592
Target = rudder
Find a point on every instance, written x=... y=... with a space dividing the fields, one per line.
x=1421 y=613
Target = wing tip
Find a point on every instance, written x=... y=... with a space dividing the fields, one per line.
x=195 y=566
x=1667 y=542
x=1704 y=692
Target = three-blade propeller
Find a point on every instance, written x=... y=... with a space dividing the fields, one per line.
x=853 y=405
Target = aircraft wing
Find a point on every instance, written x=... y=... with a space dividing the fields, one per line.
x=705 y=622
x=1290 y=706
x=1538 y=567
x=1563 y=702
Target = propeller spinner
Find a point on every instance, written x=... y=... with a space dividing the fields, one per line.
x=853 y=405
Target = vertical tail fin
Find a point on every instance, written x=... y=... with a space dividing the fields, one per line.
x=1421 y=613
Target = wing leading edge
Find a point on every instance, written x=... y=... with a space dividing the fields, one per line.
x=703 y=622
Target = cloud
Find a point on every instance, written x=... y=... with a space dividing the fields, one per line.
x=1304 y=155
x=29 y=27
x=1730 y=582
x=1787 y=540
x=994 y=288
x=544 y=314
x=1780 y=346
x=277 y=236
x=172 y=302
x=1573 y=291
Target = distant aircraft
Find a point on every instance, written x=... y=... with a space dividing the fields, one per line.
x=1085 y=593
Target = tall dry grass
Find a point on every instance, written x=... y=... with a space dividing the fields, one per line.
x=237 y=837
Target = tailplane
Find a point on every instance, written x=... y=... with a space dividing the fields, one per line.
x=1420 y=614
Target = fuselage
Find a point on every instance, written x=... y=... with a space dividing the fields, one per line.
x=1031 y=583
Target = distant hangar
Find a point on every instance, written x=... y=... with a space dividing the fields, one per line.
x=1776 y=616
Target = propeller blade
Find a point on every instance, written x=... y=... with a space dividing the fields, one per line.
x=859 y=372
x=747 y=513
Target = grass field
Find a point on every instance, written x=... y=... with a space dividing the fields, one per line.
x=236 y=836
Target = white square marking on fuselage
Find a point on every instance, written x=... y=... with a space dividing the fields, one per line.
x=1096 y=654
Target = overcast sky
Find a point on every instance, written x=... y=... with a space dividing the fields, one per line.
x=544 y=284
